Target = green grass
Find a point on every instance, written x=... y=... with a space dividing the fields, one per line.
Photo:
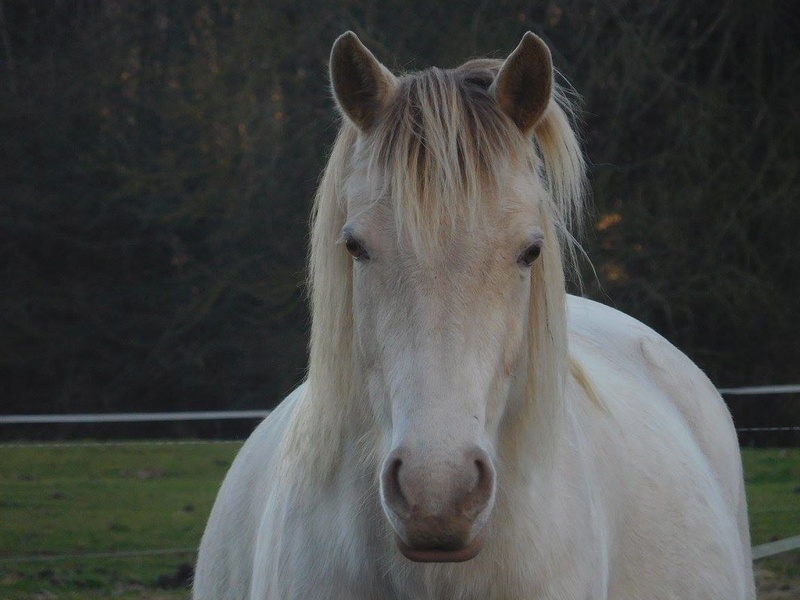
x=68 y=500
x=56 y=501
x=772 y=478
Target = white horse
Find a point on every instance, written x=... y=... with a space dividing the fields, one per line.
x=467 y=430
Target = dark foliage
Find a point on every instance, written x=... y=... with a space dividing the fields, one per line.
x=158 y=160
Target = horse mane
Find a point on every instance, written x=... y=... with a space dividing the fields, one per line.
x=445 y=144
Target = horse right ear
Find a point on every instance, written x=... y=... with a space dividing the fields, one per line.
x=361 y=84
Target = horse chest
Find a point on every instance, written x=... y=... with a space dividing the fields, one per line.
x=354 y=561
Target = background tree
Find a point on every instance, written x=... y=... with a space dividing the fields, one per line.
x=158 y=160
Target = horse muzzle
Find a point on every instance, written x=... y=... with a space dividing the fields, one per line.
x=438 y=508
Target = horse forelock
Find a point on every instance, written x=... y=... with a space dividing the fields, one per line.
x=440 y=150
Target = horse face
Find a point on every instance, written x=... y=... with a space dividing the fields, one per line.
x=440 y=304
x=441 y=337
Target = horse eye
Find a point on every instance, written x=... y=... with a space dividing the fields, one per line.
x=530 y=254
x=355 y=249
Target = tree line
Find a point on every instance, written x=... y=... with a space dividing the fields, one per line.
x=158 y=161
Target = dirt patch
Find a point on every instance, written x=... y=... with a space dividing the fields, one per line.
x=779 y=579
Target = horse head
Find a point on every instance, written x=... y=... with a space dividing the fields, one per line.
x=452 y=245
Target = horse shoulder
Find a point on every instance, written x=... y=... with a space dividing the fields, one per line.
x=227 y=550
x=645 y=355
x=665 y=440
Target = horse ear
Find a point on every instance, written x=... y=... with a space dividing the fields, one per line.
x=524 y=84
x=361 y=84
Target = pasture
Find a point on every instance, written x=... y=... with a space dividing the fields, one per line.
x=110 y=499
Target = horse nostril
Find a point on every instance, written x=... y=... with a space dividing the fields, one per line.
x=392 y=490
x=394 y=474
x=481 y=472
x=485 y=473
x=479 y=496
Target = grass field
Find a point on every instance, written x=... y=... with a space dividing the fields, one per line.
x=57 y=501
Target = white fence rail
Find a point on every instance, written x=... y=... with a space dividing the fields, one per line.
x=209 y=415
x=778 y=547
x=216 y=415
x=221 y=415
x=761 y=390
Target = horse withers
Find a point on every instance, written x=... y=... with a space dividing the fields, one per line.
x=467 y=429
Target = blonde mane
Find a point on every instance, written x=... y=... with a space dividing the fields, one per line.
x=445 y=144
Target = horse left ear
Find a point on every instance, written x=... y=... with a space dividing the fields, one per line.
x=524 y=85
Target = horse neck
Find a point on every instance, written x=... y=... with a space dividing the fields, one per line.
x=330 y=435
